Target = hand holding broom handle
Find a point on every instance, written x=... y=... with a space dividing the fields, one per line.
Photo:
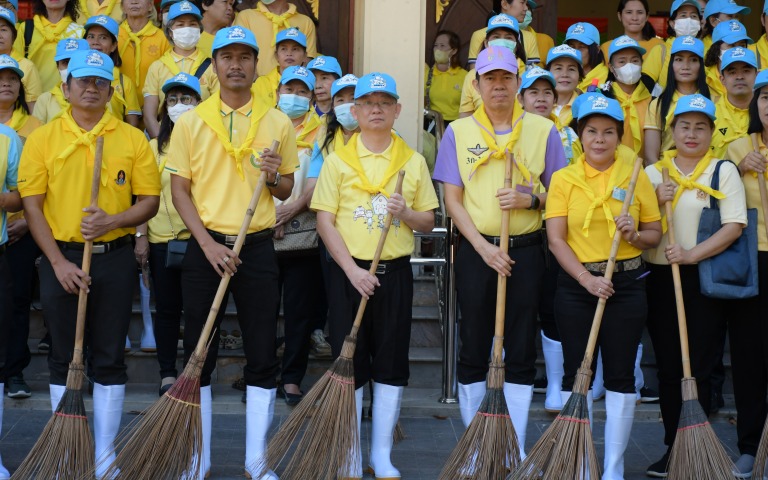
x=761 y=184
x=501 y=283
x=202 y=342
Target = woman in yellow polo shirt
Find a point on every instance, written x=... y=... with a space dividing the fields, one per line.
x=217 y=14
x=691 y=166
x=726 y=35
x=580 y=229
x=14 y=111
x=31 y=79
x=50 y=104
x=564 y=63
x=290 y=50
x=585 y=38
x=685 y=76
x=141 y=42
x=443 y=81
x=633 y=15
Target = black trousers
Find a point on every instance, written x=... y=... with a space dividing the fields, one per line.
x=113 y=276
x=168 y=307
x=748 y=333
x=547 y=298
x=384 y=337
x=476 y=289
x=21 y=257
x=6 y=310
x=254 y=288
x=304 y=306
x=620 y=331
x=706 y=319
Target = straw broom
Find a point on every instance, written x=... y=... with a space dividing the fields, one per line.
x=488 y=449
x=165 y=442
x=65 y=447
x=326 y=418
x=566 y=449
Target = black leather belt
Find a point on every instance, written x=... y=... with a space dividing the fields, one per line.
x=98 y=247
x=621 y=265
x=519 y=241
x=229 y=240
x=385 y=266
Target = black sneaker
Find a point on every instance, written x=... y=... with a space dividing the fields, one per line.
x=649 y=395
x=540 y=385
x=17 y=387
x=45 y=343
x=659 y=469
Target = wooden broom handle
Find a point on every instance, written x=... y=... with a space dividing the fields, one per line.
x=682 y=323
x=761 y=184
x=501 y=282
x=377 y=256
x=598 y=318
x=202 y=342
x=82 y=298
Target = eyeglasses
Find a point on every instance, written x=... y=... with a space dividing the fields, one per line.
x=85 y=82
x=384 y=105
x=183 y=99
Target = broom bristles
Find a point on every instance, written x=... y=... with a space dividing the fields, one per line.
x=762 y=454
x=697 y=452
x=566 y=449
x=65 y=447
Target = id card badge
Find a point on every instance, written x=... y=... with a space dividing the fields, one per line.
x=619 y=194
x=526 y=189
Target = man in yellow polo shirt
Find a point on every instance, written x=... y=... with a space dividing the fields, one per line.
x=470 y=163
x=353 y=196
x=520 y=10
x=216 y=155
x=55 y=185
x=738 y=70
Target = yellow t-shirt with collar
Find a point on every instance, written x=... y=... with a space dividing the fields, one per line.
x=568 y=200
x=125 y=99
x=730 y=123
x=565 y=113
x=93 y=8
x=266 y=86
x=220 y=195
x=42 y=52
x=445 y=90
x=68 y=190
x=737 y=150
x=306 y=135
x=529 y=39
x=254 y=20
x=761 y=52
x=159 y=73
x=167 y=222
x=656 y=62
x=153 y=45
x=205 y=44
x=653 y=122
x=48 y=106
x=359 y=214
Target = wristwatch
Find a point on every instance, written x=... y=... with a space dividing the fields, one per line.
x=139 y=234
x=276 y=182
x=535 y=202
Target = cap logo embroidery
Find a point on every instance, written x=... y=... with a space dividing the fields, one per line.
x=101 y=20
x=94 y=60
x=71 y=45
x=600 y=103
x=536 y=72
x=301 y=72
x=698 y=103
x=578 y=29
x=378 y=82
x=7 y=61
x=735 y=26
x=292 y=32
x=689 y=41
x=319 y=62
x=738 y=52
x=182 y=77
x=563 y=49
x=347 y=79
x=236 y=33
x=625 y=40
x=185 y=7
x=502 y=20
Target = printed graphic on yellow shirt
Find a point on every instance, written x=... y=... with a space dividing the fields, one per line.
x=374 y=213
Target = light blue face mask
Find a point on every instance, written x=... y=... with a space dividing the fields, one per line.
x=344 y=116
x=293 y=105
x=527 y=20
x=511 y=45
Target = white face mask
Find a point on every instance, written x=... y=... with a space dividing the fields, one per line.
x=527 y=20
x=175 y=111
x=503 y=42
x=165 y=18
x=186 y=37
x=64 y=73
x=629 y=74
x=687 y=26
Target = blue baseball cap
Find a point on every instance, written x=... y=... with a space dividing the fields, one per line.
x=68 y=46
x=7 y=63
x=325 y=64
x=347 y=81
x=597 y=104
x=679 y=3
x=376 y=82
x=183 y=8
x=765 y=7
x=182 y=80
x=688 y=44
x=298 y=73
x=583 y=32
x=293 y=34
x=8 y=16
x=232 y=35
x=724 y=6
x=15 y=4
x=696 y=103
x=105 y=22
x=532 y=5
x=563 y=51
x=502 y=21
x=533 y=74
x=168 y=3
x=761 y=80
x=91 y=63
x=623 y=42
x=738 y=54
x=731 y=31
x=495 y=58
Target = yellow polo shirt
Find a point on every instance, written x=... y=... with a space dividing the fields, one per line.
x=162 y=227
x=546 y=43
x=33 y=86
x=42 y=50
x=730 y=123
x=266 y=86
x=91 y=8
x=445 y=90
x=152 y=46
x=656 y=62
x=220 y=195
x=529 y=38
x=653 y=122
x=30 y=124
x=48 y=106
x=565 y=112
x=125 y=99
x=159 y=73
x=67 y=184
x=761 y=52
x=737 y=150
x=205 y=44
x=256 y=20
x=646 y=44
x=359 y=214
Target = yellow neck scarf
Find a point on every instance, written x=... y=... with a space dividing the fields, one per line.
x=401 y=153
x=135 y=38
x=50 y=35
x=210 y=113
x=110 y=8
x=310 y=124
x=600 y=72
x=57 y=94
x=630 y=111
x=18 y=119
x=279 y=22
x=727 y=117
x=716 y=88
x=169 y=62
x=494 y=151
x=86 y=139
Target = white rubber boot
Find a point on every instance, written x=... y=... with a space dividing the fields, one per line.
x=356 y=472
x=4 y=473
x=470 y=397
x=386 y=411
x=518 y=399
x=259 y=410
x=206 y=412
x=148 y=332
x=553 y=362
x=57 y=391
x=598 y=389
x=107 y=411
x=564 y=396
x=619 y=415
x=639 y=377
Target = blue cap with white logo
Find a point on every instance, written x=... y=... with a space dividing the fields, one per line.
x=503 y=21
x=761 y=80
x=182 y=80
x=184 y=8
x=679 y=3
x=376 y=82
x=91 y=63
x=293 y=34
x=8 y=16
x=7 y=63
x=688 y=44
x=730 y=31
x=738 y=54
x=298 y=73
x=583 y=32
x=347 y=81
x=696 y=103
x=563 y=51
x=325 y=64
x=67 y=47
x=105 y=22
x=728 y=7
x=588 y=104
x=533 y=74
x=623 y=42
x=234 y=35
